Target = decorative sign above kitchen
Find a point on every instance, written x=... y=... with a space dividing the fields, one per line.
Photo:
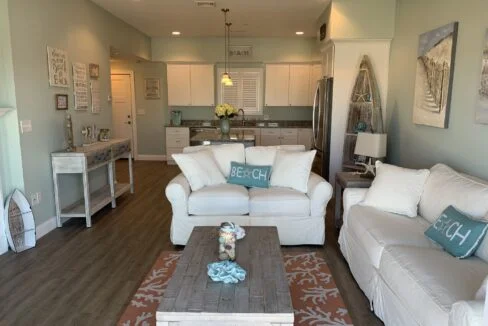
x=240 y=51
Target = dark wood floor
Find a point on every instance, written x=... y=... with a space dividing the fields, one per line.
x=79 y=276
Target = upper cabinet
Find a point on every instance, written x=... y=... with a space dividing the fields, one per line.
x=277 y=85
x=191 y=85
x=291 y=84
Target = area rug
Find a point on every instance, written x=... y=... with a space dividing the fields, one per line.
x=315 y=296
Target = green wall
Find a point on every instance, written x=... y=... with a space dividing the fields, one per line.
x=464 y=144
x=10 y=154
x=86 y=32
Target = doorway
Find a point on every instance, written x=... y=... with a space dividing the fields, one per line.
x=123 y=108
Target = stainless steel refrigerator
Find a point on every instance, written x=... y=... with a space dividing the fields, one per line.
x=322 y=116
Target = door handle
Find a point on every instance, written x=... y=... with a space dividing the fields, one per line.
x=128 y=122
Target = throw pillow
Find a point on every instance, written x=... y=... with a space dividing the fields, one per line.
x=223 y=154
x=249 y=175
x=265 y=155
x=481 y=293
x=200 y=169
x=396 y=190
x=456 y=233
x=292 y=169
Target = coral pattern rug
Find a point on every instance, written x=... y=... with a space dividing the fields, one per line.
x=315 y=296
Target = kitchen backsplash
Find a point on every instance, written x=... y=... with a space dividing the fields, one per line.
x=274 y=113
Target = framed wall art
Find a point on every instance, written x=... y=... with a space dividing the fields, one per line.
x=435 y=71
x=58 y=67
x=152 y=88
x=94 y=70
x=482 y=102
x=61 y=101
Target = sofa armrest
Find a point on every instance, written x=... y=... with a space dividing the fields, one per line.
x=178 y=191
x=319 y=192
x=467 y=313
x=351 y=197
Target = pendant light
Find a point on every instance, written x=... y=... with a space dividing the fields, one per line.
x=226 y=79
x=228 y=82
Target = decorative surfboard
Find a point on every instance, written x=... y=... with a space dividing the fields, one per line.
x=19 y=222
x=364 y=112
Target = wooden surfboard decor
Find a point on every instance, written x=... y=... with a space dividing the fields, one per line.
x=364 y=112
x=19 y=222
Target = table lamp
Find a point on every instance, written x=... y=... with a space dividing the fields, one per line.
x=371 y=146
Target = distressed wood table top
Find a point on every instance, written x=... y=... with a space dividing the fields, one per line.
x=263 y=296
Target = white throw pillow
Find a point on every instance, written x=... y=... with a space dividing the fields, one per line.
x=224 y=154
x=481 y=293
x=265 y=155
x=200 y=169
x=292 y=169
x=396 y=190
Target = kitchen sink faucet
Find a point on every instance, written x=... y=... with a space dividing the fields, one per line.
x=243 y=116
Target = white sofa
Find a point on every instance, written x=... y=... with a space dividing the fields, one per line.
x=298 y=216
x=408 y=279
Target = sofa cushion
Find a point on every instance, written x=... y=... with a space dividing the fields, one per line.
x=292 y=169
x=265 y=155
x=224 y=199
x=375 y=230
x=224 y=154
x=429 y=281
x=277 y=201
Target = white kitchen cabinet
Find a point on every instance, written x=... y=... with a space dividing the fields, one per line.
x=190 y=85
x=202 y=85
x=305 y=137
x=270 y=136
x=315 y=76
x=277 y=85
x=299 y=93
x=288 y=136
x=177 y=138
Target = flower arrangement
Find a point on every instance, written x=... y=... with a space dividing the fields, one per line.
x=225 y=111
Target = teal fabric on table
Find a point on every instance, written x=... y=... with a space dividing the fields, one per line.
x=226 y=271
x=458 y=234
x=249 y=175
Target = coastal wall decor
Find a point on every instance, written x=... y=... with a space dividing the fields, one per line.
x=152 y=88
x=240 y=51
x=94 y=70
x=80 y=86
x=61 y=101
x=482 y=103
x=435 y=71
x=58 y=67
x=95 y=96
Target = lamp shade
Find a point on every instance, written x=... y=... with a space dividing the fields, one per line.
x=371 y=145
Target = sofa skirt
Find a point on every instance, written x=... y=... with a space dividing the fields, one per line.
x=291 y=230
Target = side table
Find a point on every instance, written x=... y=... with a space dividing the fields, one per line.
x=347 y=180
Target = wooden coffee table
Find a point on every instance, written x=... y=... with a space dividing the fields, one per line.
x=192 y=298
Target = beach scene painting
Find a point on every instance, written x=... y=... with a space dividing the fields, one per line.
x=482 y=103
x=435 y=70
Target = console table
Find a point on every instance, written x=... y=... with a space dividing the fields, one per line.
x=84 y=160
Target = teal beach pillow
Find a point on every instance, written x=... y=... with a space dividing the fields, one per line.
x=458 y=234
x=249 y=175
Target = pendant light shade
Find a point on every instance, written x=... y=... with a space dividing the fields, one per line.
x=226 y=80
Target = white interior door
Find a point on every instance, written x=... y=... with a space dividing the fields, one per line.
x=122 y=122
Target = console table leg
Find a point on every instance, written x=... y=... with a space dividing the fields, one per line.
x=131 y=174
x=56 y=199
x=111 y=183
x=86 y=192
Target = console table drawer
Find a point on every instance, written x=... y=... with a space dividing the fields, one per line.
x=98 y=157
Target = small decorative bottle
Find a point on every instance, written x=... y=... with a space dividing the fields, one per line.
x=227 y=242
x=68 y=126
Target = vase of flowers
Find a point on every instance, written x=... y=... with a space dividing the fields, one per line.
x=224 y=112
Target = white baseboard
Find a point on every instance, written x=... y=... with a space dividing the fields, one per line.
x=45 y=228
x=151 y=157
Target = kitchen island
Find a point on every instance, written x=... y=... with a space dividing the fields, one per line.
x=214 y=137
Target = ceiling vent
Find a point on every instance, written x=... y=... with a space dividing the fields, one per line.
x=205 y=4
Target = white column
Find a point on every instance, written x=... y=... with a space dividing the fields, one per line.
x=3 y=237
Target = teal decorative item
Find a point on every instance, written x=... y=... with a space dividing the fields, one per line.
x=249 y=175
x=226 y=271
x=458 y=234
x=361 y=126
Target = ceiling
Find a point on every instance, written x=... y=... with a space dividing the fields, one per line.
x=249 y=18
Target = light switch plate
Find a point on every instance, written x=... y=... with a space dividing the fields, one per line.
x=25 y=126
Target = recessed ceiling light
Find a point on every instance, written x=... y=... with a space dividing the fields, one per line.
x=299 y=33
x=175 y=33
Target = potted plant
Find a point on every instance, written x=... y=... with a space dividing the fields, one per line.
x=224 y=112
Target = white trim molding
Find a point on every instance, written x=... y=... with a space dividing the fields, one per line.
x=151 y=157
x=46 y=227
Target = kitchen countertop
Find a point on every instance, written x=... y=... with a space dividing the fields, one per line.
x=248 y=124
x=213 y=137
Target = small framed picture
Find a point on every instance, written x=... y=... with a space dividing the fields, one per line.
x=94 y=70
x=61 y=102
x=152 y=89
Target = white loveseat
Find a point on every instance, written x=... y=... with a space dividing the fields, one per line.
x=299 y=217
x=408 y=279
